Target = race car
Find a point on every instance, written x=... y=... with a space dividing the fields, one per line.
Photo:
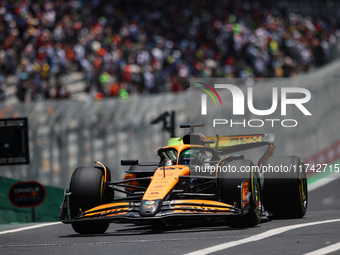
x=196 y=178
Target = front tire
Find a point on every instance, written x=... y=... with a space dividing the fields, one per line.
x=87 y=191
x=229 y=183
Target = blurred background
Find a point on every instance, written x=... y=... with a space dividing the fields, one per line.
x=92 y=75
x=91 y=50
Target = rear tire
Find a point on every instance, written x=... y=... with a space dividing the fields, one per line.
x=285 y=194
x=229 y=183
x=87 y=191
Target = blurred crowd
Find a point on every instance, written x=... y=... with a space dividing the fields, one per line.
x=126 y=47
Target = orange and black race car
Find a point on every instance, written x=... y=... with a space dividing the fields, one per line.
x=196 y=178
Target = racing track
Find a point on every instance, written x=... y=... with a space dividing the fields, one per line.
x=318 y=230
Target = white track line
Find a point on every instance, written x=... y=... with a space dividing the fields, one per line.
x=28 y=228
x=258 y=237
x=326 y=250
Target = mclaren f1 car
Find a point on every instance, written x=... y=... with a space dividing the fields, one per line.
x=196 y=178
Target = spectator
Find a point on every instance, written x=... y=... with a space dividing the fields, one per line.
x=150 y=47
x=3 y=88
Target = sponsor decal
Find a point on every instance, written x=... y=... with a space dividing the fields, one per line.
x=27 y=194
x=149 y=202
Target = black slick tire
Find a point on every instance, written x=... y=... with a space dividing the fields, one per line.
x=285 y=192
x=229 y=186
x=87 y=191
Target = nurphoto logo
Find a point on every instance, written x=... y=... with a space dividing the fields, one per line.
x=295 y=96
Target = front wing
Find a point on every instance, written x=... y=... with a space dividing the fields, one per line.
x=130 y=211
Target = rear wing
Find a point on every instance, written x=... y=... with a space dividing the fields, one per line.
x=219 y=142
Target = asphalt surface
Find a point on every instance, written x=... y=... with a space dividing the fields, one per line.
x=320 y=228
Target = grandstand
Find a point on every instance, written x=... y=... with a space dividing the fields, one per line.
x=97 y=49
